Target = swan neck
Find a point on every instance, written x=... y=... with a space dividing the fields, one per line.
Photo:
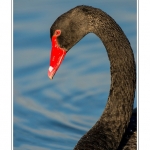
x=117 y=113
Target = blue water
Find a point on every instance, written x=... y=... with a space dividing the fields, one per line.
x=53 y=115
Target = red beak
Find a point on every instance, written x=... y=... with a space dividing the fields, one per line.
x=56 y=58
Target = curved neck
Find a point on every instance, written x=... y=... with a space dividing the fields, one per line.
x=110 y=127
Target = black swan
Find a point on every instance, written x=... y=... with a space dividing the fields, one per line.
x=116 y=128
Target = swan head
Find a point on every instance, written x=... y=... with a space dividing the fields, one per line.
x=65 y=32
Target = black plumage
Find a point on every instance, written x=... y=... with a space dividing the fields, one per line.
x=113 y=130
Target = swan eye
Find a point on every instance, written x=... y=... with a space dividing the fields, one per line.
x=57 y=32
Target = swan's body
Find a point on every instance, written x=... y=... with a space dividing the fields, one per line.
x=67 y=30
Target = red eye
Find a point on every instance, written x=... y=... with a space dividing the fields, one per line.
x=57 y=32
